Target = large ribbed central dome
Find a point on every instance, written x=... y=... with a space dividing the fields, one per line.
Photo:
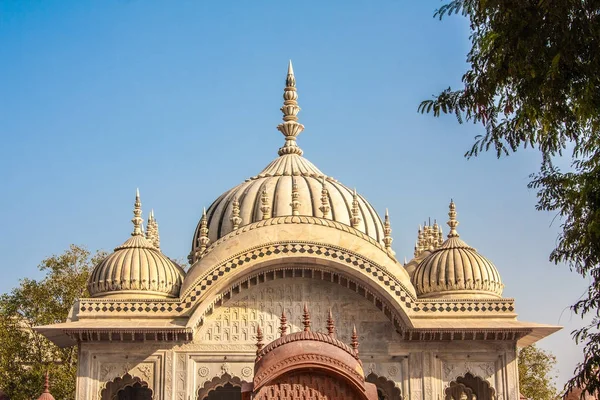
x=289 y=185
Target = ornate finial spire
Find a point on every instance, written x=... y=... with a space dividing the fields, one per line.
x=295 y=198
x=330 y=324
x=137 y=215
x=235 y=219
x=259 y=340
x=47 y=383
x=387 y=231
x=152 y=230
x=265 y=208
x=306 y=318
x=283 y=327
x=355 y=219
x=452 y=222
x=325 y=208
x=290 y=128
x=203 y=240
x=354 y=342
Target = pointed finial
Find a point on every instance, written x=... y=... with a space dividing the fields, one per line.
x=47 y=383
x=405 y=262
x=325 y=208
x=235 y=219
x=354 y=342
x=290 y=128
x=265 y=208
x=203 y=240
x=283 y=327
x=152 y=230
x=295 y=204
x=330 y=324
x=306 y=318
x=137 y=215
x=355 y=219
x=259 y=340
x=452 y=222
x=387 y=231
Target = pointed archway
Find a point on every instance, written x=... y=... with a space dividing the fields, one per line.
x=127 y=387
x=470 y=387
x=224 y=387
x=386 y=389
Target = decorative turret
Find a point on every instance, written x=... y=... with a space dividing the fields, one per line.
x=330 y=324
x=295 y=199
x=387 y=231
x=306 y=318
x=235 y=219
x=264 y=207
x=429 y=238
x=325 y=207
x=290 y=128
x=283 y=324
x=259 y=340
x=46 y=393
x=203 y=240
x=152 y=230
x=354 y=342
x=137 y=215
x=355 y=219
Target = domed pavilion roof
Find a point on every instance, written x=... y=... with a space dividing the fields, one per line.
x=289 y=185
x=456 y=270
x=137 y=268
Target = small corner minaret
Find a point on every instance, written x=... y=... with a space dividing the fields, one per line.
x=259 y=341
x=387 y=231
x=290 y=128
x=325 y=207
x=452 y=222
x=306 y=318
x=203 y=240
x=354 y=341
x=235 y=219
x=330 y=324
x=283 y=324
x=295 y=204
x=137 y=215
x=265 y=208
x=152 y=230
x=355 y=219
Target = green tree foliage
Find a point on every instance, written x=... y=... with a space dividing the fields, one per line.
x=535 y=369
x=25 y=355
x=534 y=81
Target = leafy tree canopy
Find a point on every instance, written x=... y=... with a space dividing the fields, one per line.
x=535 y=373
x=26 y=355
x=534 y=81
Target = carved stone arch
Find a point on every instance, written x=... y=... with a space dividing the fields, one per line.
x=474 y=387
x=333 y=249
x=218 y=382
x=386 y=389
x=111 y=389
x=269 y=272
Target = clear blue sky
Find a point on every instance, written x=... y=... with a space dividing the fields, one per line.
x=181 y=99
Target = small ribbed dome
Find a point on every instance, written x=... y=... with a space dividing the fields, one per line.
x=136 y=268
x=456 y=270
x=271 y=192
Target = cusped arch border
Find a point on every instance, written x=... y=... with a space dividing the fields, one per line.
x=387 y=386
x=111 y=388
x=217 y=382
x=301 y=270
x=283 y=252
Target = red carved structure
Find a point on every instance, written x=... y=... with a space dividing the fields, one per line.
x=308 y=365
